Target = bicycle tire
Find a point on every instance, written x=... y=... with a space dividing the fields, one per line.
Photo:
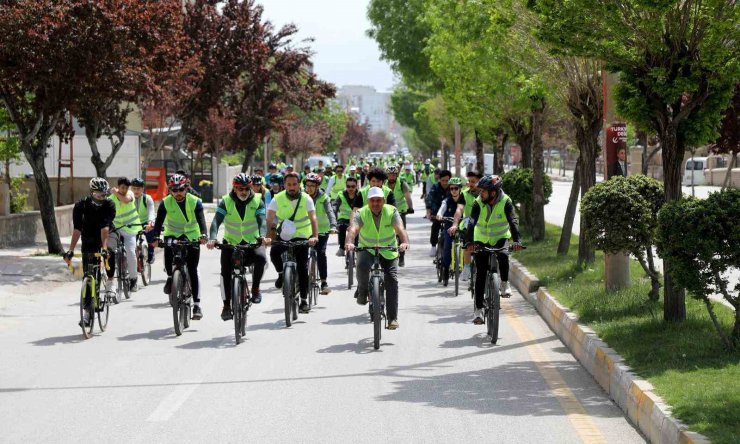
x=236 y=308
x=287 y=295
x=313 y=295
x=176 y=301
x=123 y=275
x=186 y=314
x=104 y=312
x=87 y=285
x=350 y=269
x=456 y=265
x=377 y=309
x=146 y=267
x=493 y=307
x=245 y=308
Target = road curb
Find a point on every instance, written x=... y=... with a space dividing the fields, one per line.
x=633 y=395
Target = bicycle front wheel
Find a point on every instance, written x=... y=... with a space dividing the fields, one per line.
x=245 y=307
x=236 y=307
x=313 y=280
x=146 y=267
x=103 y=310
x=377 y=310
x=493 y=301
x=456 y=266
x=86 y=309
x=288 y=296
x=350 y=269
x=176 y=296
x=123 y=277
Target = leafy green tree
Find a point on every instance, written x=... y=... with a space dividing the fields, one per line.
x=9 y=144
x=519 y=185
x=621 y=214
x=678 y=65
x=700 y=237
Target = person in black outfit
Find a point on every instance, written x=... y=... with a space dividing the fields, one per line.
x=435 y=197
x=352 y=196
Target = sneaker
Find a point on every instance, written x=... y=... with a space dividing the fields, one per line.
x=478 y=316
x=256 y=296
x=433 y=252
x=197 y=313
x=393 y=325
x=325 y=288
x=445 y=277
x=340 y=252
x=401 y=261
x=85 y=322
x=133 y=286
x=465 y=275
x=360 y=300
x=279 y=281
x=168 y=285
x=505 y=290
x=151 y=258
x=303 y=308
x=226 y=314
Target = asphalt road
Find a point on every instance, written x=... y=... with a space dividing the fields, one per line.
x=436 y=379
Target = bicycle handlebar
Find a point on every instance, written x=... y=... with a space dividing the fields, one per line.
x=174 y=242
x=479 y=248
x=291 y=243
x=221 y=246
x=377 y=248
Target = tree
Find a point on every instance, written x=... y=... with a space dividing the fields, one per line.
x=135 y=47
x=303 y=134
x=405 y=103
x=729 y=134
x=700 y=237
x=9 y=144
x=356 y=137
x=677 y=63
x=519 y=186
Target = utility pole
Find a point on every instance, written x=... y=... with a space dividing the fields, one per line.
x=616 y=266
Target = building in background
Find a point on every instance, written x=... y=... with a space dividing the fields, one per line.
x=372 y=106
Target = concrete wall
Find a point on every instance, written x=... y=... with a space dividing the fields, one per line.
x=27 y=229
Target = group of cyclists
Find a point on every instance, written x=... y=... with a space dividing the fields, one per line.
x=366 y=207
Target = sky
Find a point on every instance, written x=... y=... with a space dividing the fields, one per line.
x=344 y=55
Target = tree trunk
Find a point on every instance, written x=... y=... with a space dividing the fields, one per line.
x=728 y=175
x=570 y=212
x=538 y=189
x=479 y=157
x=35 y=156
x=249 y=154
x=674 y=304
x=498 y=158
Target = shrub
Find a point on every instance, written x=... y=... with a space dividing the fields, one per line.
x=18 y=198
x=518 y=185
x=701 y=239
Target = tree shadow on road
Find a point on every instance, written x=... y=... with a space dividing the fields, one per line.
x=157 y=305
x=350 y=320
x=70 y=339
x=156 y=335
x=277 y=325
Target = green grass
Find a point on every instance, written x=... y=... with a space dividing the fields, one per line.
x=684 y=361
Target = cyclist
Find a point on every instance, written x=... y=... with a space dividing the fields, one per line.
x=345 y=205
x=437 y=194
x=181 y=214
x=453 y=203
x=493 y=222
x=258 y=187
x=426 y=174
x=470 y=193
x=276 y=186
x=126 y=214
x=92 y=217
x=337 y=183
x=327 y=224
x=402 y=196
x=297 y=220
x=327 y=176
x=271 y=169
x=242 y=213
x=378 y=224
x=376 y=177
x=408 y=174
x=145 y=207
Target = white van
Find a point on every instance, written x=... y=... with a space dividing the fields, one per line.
x=694 y=167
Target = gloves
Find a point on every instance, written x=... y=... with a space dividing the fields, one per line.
x=410 y=211
x=104 y=253
x=68 y=255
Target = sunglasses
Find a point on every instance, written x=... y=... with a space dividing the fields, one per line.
x=454 y=188
x=351 y=187
x=241 y=189
x=98 y=195
x=177 y=190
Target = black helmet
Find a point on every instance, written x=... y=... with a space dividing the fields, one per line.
x=490 y=183
x=137 y=182
x=257 y=180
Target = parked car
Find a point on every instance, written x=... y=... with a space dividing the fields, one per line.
x=694 y=167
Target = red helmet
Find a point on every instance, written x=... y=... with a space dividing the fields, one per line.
x=313 y=177
x=241 y=179
x=177 y=181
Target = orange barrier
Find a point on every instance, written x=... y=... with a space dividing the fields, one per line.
x=156 y=183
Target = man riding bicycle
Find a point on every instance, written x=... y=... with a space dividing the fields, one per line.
x=92 y=217
x=378 y=224
x=297 y=215
x=181 y=214
x=126 y=214
x=453 y=203
x=327 y=224
x=376 y=178
x=242 y=212
x=145 y=207
x=494 y=223
x=401 y=191
x=345 y=204
x=438 y=193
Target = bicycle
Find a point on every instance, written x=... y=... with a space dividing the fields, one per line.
x=455 y=250
x=122 y=276
x=438 y=254
x=313 y=277
x=377 y=293
x=181 y=294
x=291 y=289
x=492 y=298
x=349 y=265
x=142 y=258
x=92 y=282
x=457 y=260
x=241 y=299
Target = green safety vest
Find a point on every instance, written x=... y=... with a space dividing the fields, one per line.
x=285 y=211
x=237 y=229
x=340 y=184
x=324 y=182
x=175 y=224
x=143 y=204
x=366 y=188
x=409 y=178
x=492 y=226
x=345 y=210
x=322 y=219
x=370 y=236
x=400 y=197
x=125 y=215
x=469 y=201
